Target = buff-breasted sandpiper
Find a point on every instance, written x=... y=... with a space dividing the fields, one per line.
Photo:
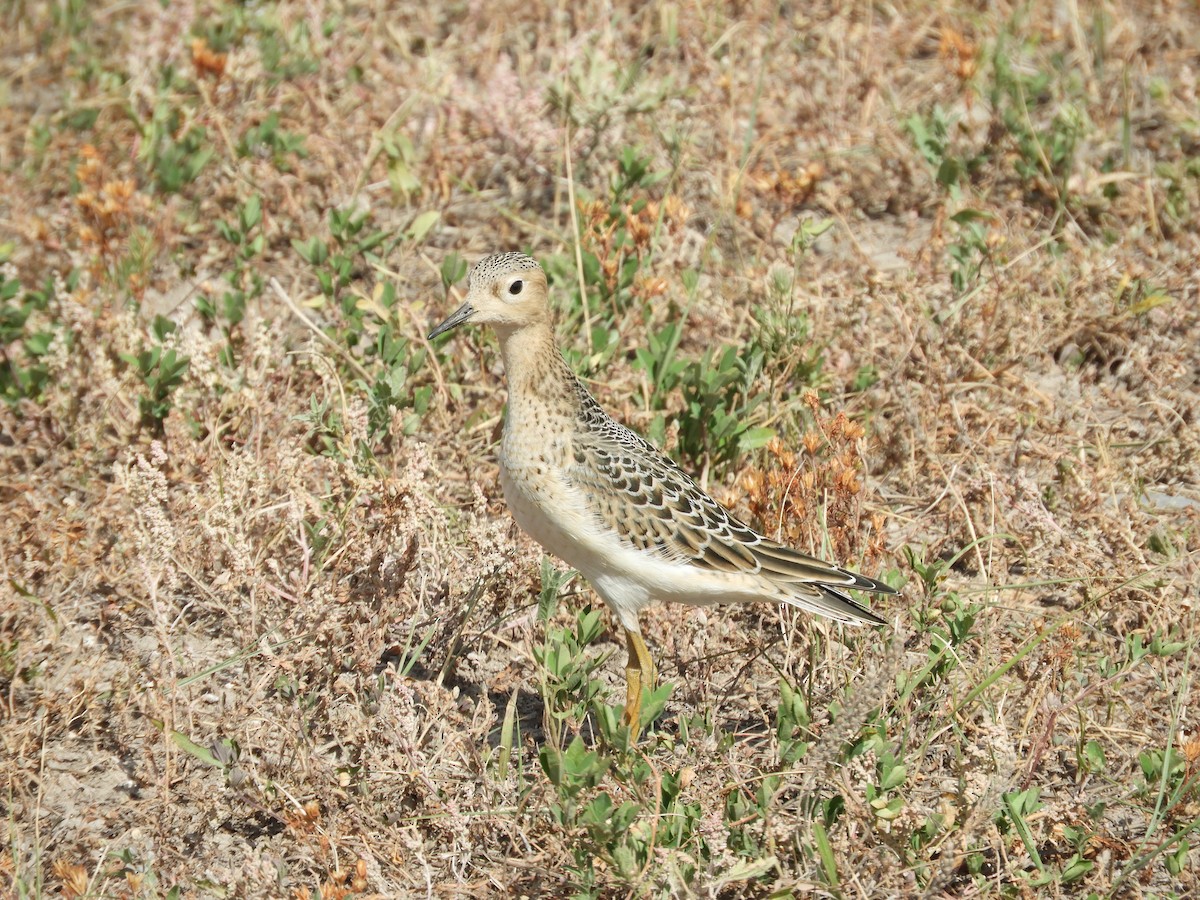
x=608 y=503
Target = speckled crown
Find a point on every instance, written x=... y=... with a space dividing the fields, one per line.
x=498 y=263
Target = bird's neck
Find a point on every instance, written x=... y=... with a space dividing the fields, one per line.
x=535 y=369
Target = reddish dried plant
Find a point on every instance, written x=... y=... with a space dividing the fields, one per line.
x=207 y=62
x=801 y=494
x=600 y=228
x=794 y=187
x=959 y=52
x=72 y=876
x=110 y=208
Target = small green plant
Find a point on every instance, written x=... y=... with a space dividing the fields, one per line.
x=729 y=391
x=381 y=361
x=243 y=281
x=401 y=165
x=1177 y=859
x=966 y=245
x=1077 y=865
x=791 y=724
x=553 y=581
x=326 y=432
x=173 y=148
x=947 y=618
x=71 y=16
x=883 y=796
x=1166 y=770
x=453 y=270
x=323 y=533
x=269 y=140
x=26 y=336
x=663 y=369
x=160 y=369
x=721 y=398
x=783 y=332
x=285 y=54
x=569 y=673
x=177 y=162
x=621 y=834
x=1020 y=94
x=1038 y=122
x=745 y=806
x=1018 y=807
x=394 y=361
x=1053 y=865
x=1091 y=758
x=334 y=261
x=968 y=249
x=574 y=772
x=933 y=136
x=618 y=232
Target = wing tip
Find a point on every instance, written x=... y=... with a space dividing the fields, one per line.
x=784 y=564
x=873 y=585
x=855 y=613
x=832 y=603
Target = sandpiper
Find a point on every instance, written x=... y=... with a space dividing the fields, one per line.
x=609 y=503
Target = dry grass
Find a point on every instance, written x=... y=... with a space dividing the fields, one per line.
x=261 y=632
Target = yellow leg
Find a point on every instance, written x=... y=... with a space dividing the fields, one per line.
x=639 y=672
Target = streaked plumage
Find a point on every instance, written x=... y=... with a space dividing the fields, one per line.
x=606 y=501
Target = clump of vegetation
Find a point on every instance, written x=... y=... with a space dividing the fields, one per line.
x=943 y=331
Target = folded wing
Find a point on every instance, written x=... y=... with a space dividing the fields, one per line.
x=656 y=506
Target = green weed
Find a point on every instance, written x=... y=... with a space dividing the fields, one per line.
x=27 y=332
x=286 y=54
x=569 y=672
x=244 y=282
x=174 y=149
x=161 y=370
x=269 y=140
x=381 y=361
x=617 y=239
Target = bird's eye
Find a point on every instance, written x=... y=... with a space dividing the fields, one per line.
x=515 y=287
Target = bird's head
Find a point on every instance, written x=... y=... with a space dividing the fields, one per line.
x=506 y=291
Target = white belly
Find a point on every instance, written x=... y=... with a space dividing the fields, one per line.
x=627 y=579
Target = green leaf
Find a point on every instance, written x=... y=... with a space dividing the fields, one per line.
x=552 y=581
x=508 y=732
x=654 y=702
x=187 y=745
x=313 y=251
x=1076 y=868
x=38 y=343
x=551 y=759
x=422 y=224
x=894 y=778
x=251 y=213
x=753 y=438
x=964 y=216
x=454 y=267
x=825 y=852
x=1019 y=804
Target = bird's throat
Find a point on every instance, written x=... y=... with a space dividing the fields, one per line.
x=534 y=367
